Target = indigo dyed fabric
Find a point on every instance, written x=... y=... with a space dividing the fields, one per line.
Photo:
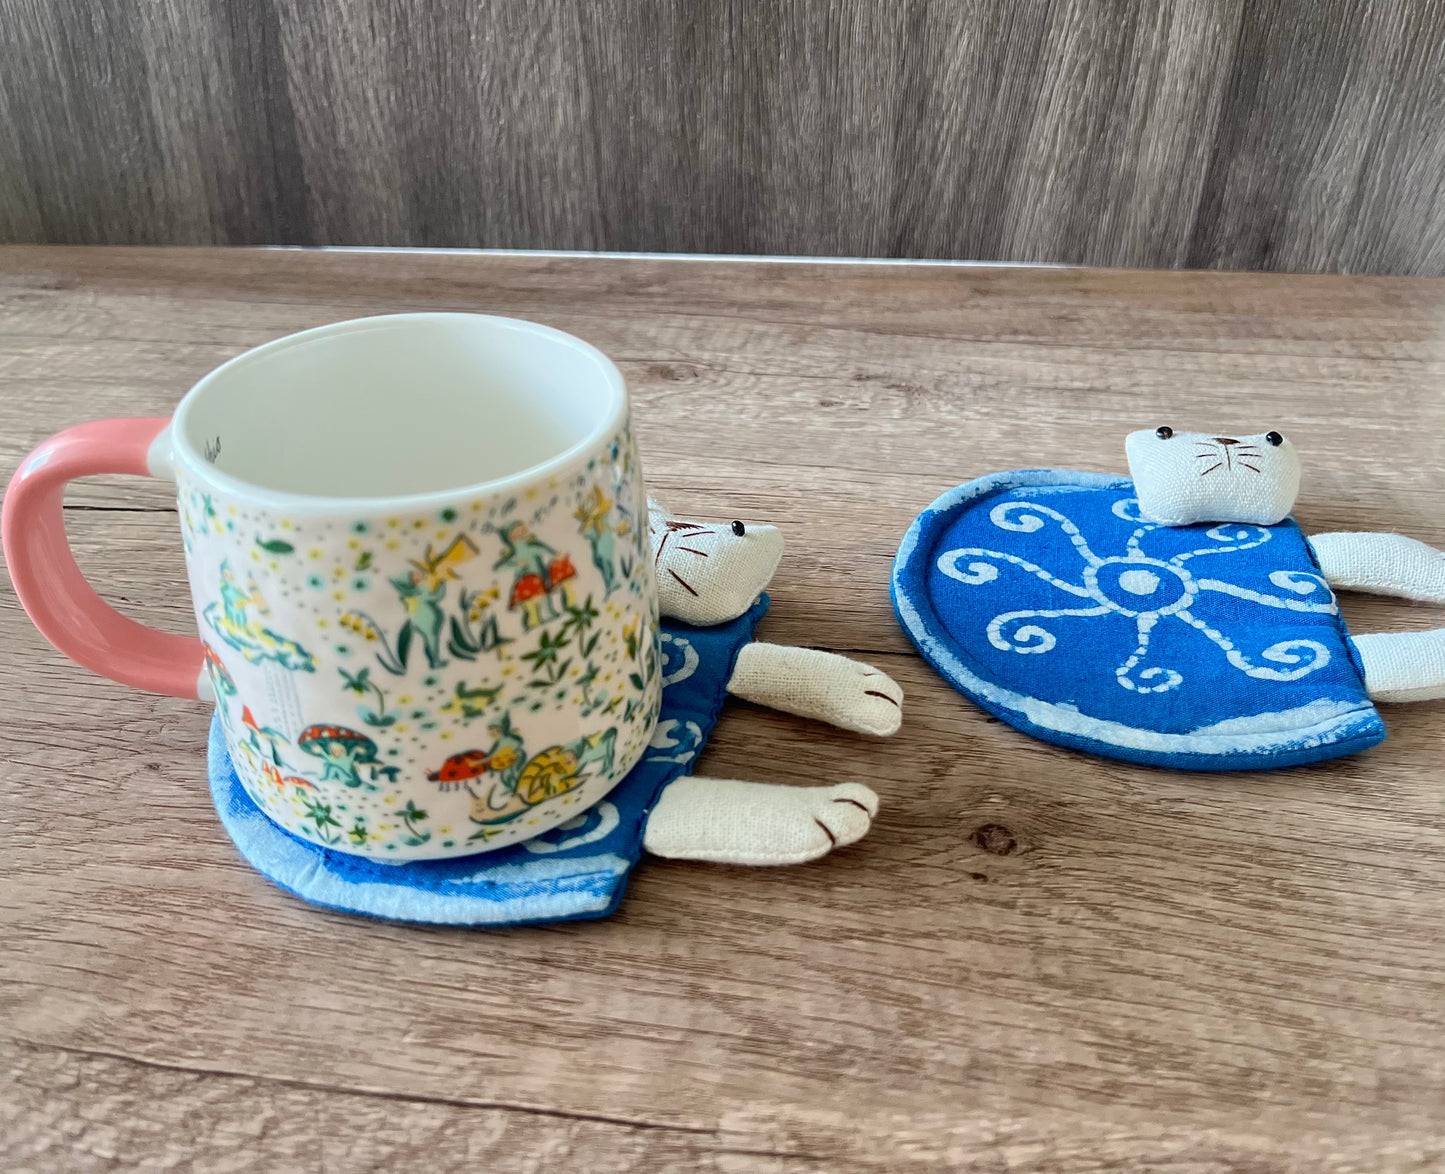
x=1047 y=599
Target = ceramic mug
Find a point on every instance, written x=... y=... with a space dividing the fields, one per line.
x=417 y=549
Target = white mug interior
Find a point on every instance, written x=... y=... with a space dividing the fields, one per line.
x=398 y=407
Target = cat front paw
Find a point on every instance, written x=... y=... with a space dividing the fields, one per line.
x=805 y=823
x=821 y=685
x=874 y=702
x=727 y=821
x=844 y=812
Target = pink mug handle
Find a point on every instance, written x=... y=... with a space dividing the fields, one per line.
x=51 y=588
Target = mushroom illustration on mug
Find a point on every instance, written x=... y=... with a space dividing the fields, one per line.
x=344 y=752
x=539 y=571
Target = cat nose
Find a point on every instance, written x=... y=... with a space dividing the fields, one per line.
x=1225 y=440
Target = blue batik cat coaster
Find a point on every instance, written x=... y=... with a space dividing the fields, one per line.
x=573 y=871
x=1046 y=598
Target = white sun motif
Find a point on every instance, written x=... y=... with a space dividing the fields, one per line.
x=1146 y=590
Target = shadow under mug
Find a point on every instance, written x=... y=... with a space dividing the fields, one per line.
x=417 y=549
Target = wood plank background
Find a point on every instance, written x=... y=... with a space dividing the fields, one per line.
x=1037 y=961
x=1269 y=134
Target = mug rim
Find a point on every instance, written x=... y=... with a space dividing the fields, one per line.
x=182 y=452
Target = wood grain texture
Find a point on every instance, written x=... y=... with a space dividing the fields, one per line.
x=1214 y=134
x=1036 y=961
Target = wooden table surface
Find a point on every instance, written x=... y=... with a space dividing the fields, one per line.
x=1036 y=961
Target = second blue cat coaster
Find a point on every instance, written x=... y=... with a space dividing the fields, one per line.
x=1046 y=598
x=574 y=871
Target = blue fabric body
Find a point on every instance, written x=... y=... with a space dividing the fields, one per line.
x=1044 y=597
x=576 y=870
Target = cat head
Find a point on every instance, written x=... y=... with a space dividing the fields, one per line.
x=710 y=572
x=1185 y=477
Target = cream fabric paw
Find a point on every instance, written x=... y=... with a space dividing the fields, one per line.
x=819 y=685
x=730 y=822
x=710 y=572
x=1185 y=477
x=1382 y=564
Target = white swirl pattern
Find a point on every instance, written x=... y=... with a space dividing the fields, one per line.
x=1169 y=580
x=684 y=739
x=603 y=818
x=679 y=659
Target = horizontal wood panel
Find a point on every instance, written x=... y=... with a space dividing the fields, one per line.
x=1214 y=134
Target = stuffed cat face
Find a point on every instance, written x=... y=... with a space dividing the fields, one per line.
x=710 y=572
x=1185 y=477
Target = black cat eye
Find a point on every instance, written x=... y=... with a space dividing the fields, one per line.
x=1164 y=433
x=1274 y=438
x=739 y=529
